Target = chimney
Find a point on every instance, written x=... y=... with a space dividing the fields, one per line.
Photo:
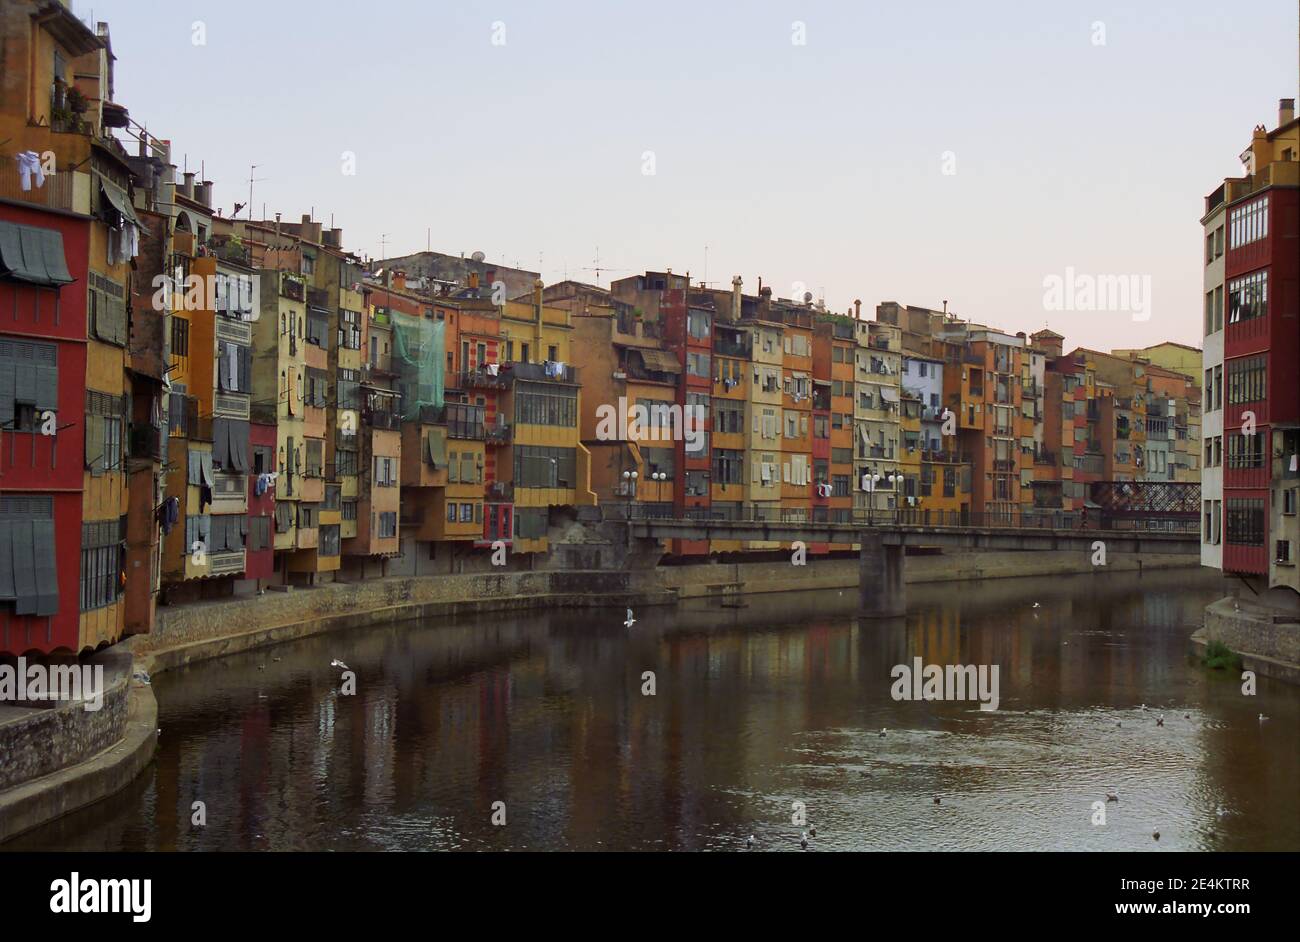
x=736 y=283
x=399 y=280
x=473 y=280
x=203 y=193
x=537 y=298
x=857 y=308
x=310 y=231
x=188 y=186
x=1285 y=111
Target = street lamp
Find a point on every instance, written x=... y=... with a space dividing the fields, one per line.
x=659 y=477
x=629 y=488
x=869 y=481
x=894 y=480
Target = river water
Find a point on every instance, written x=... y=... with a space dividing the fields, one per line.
x=755 y=708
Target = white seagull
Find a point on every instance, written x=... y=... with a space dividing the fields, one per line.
x=749 y=842
x=630 y=620
x=1263 y=718
x=1036 y=605
x=803 y=840
x=337 y=663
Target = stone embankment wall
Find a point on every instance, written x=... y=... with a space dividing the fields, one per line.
x=211 y=629
x=45 y=740
x=1268 y=642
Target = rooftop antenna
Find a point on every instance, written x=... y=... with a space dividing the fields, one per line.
x=383 y=242
x=251 y=181
x=706 y=266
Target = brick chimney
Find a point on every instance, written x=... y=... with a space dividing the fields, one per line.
x=1285 y=111
x=399 y=280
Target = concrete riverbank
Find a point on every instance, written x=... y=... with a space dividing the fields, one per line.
x=1267 y=640
x=126 y=736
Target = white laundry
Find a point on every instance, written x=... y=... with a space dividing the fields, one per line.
x=29 y=164
x=492 y=369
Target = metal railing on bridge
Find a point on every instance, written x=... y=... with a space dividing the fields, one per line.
x=905 y=517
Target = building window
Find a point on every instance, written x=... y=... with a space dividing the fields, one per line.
x=538 y=466
x=329 y=540
x=1247 y=380
x=103 y=432
x=466 y=513
x=697 y=364
x=451 y=512
x=536 y=404
x=1245 y=451
x=385 y=471
x=387 y=525
x=728 y=466
x=22 y=402
x=1245 y=519
x=1283 y=555
x=349 y=330
x=1249 y=223
x=101 y=564
x=1289 y=501
x=180 y=337
x=349 y=510
x=1248 y=297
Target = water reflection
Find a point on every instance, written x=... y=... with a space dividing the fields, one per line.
x=756 y=707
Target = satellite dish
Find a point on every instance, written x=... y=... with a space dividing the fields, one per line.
x=478 y=256
x=807 y=296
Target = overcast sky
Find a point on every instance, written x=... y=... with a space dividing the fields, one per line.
x=904 y=151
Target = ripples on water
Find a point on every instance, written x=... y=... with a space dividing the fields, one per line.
x=756 y=708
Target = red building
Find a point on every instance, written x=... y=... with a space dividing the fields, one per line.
x=1261 y=353
x=43 y=275
x=259 y=555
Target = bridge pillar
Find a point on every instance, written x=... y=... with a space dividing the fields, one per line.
x=881 y=590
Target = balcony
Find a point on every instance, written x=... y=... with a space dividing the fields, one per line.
x=56 y=193
x=725 y=347
x=482 y=379
x=384 y=420
x=500 y=491
x=498 y=434
x=542 y=372
x=225 y=564
x=147 y=443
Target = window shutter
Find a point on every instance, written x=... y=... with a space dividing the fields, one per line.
x=95 y=444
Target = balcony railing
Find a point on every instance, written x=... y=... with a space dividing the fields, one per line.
x=386 y=420
x=56 y=193
x=147 y=442
x=482 y=379
x=500 y=490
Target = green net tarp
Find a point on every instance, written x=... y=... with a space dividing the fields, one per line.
x=419 y=349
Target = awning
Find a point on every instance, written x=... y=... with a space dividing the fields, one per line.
x=33 y=254
x=117 y=197
x=889 y=394
x=660 y=361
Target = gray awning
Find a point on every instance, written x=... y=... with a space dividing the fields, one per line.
x=117 y=197
x=660 y=361
x=33 y=254
x=889 y=394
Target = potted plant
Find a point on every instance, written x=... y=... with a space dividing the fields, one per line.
x=76 y=101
